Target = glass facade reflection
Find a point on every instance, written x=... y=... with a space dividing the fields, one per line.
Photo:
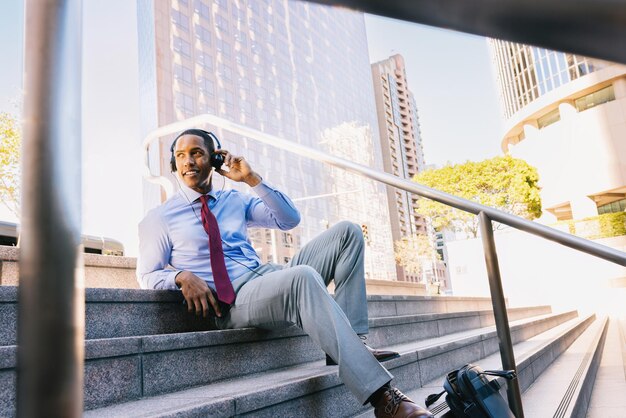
x=525 y=72
x=296 y=70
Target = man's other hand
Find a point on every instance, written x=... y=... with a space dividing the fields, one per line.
x=197 y=294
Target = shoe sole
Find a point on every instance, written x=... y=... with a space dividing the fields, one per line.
x=331 y=362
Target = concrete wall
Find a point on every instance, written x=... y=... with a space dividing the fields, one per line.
x=537 y=271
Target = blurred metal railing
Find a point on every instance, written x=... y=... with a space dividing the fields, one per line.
x=51 y=292
x=486 y=215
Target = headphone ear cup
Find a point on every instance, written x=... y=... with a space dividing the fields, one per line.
x=217 y=160
x=173 y=164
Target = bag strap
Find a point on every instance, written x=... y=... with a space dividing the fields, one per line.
x=432 y=398
x=507 y=374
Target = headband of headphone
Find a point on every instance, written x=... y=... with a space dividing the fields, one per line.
x=210 y=141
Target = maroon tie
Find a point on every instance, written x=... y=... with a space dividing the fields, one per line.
x=224 y=287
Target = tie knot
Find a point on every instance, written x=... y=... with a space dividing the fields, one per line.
x=204 y=199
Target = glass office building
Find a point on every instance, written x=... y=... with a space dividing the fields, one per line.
x=525 y=73
x=296 y=70
x=566 y=115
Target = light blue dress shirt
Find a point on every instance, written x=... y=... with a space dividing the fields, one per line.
x=172 y=239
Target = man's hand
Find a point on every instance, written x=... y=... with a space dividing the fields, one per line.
x=197 y=294
x=238 y=169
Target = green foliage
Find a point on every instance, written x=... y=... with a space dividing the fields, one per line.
x=506 y=183
x=10 y=155
x=410 y=251
x=602 y=226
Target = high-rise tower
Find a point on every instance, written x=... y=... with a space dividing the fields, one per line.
x=401 y=145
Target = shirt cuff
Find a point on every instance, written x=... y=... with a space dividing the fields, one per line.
x=263 y=189
x=170 y=280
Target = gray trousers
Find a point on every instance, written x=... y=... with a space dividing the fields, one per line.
x=297 y=294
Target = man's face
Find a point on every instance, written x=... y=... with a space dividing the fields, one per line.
x=193 y=162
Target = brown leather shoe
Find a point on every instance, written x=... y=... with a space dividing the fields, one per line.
x=394 y=404
x=381 y=355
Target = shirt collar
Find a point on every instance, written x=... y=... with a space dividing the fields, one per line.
x=191 y=195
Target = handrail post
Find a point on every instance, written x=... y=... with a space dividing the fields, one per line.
x=51 y=290
x=499 y=312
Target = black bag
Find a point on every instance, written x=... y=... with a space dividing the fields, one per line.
x=469 y=393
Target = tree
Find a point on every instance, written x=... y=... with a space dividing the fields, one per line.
x=410 y=251
x=506 y=183
x=10 y=155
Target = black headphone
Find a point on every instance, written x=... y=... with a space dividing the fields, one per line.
x=210 y=142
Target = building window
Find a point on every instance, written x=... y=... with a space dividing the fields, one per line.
x=203 y=34
x=227 y=98
x=225 y=72
x=241 y=59
x=202 y=9
x=180 y=19
x=254 y=6
x=206 y=62
x=596 y=98
x=613 y=207
x=182 y=74
x=246 y=108
x=244 y=84
x=222 y=4
x=238 y=14
x=258 y=70
x=242 y=39
x=181 y=46
x=223 y=47
x=206 y=108
x=221 y=23
x=206 y=86
x=184 y=102
x=549 y=118
x=287 y=240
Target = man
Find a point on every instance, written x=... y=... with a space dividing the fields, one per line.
x=228 y=280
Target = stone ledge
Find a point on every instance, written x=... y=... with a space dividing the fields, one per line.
x=103 y=271
x=9 y=293
x=12 y=254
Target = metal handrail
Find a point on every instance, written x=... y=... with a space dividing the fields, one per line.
x=51 y=281
x=581 y=244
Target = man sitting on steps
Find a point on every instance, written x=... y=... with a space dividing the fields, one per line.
x=197 y=242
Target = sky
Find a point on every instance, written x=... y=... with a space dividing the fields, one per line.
x=448 y=72
x=11 y=39
x=451 y=77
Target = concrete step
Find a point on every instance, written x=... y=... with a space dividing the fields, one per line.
x=113 y=313
x=260 y=386
x=608 y=398
x=182 y=354
x=564 y=389
x=536 y=358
